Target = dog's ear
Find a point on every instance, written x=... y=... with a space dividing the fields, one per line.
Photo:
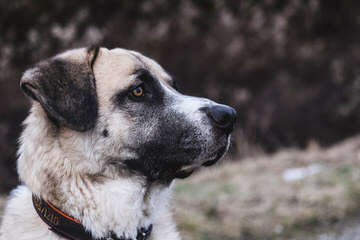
x=65 y=89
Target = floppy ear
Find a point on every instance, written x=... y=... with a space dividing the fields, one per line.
x=65 y=89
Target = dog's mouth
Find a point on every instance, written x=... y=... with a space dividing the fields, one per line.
x=187 y=170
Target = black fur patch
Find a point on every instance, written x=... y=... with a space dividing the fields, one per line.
x=170 y=148
x=173 y=143
x=105 y=133
x=66 y=91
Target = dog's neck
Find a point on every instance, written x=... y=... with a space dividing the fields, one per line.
x=101 y=198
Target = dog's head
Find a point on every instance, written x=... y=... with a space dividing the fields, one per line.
x=128 y=109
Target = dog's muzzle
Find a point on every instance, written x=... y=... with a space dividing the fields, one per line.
x=223 y=118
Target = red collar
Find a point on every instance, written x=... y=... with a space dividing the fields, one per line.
x=70 y=228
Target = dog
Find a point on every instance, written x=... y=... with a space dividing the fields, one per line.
x=106 y=136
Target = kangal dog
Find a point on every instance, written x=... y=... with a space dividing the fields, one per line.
x=107 y=134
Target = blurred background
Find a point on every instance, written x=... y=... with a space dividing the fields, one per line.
x=289 y=67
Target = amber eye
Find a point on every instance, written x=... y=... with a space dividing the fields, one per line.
x=138 y=92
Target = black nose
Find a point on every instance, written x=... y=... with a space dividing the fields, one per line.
x=223 y=117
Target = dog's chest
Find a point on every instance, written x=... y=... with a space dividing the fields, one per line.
x=124 y=207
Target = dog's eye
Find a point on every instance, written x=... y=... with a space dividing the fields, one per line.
x=138 y=92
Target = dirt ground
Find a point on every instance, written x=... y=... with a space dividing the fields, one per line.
x=291 y=195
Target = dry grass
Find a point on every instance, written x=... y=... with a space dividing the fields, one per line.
x=250 y=200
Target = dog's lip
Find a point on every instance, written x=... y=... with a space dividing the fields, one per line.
x=218 y=155
x=206 y=162
x=184 y=174
x=192 y=167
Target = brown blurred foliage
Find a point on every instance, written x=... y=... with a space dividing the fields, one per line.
x=289 y=67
